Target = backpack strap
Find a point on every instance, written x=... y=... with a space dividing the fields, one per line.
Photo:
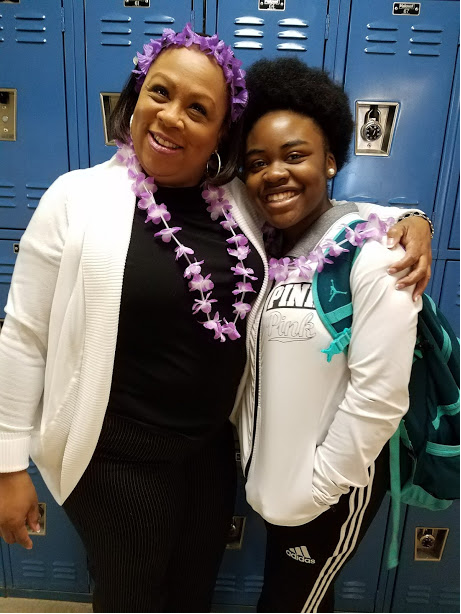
x=332 y=295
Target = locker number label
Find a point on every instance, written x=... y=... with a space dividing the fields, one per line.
x=144 y=3
x=271 y=5
x=406 y=8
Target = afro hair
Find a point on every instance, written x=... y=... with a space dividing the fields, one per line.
x=289 y=84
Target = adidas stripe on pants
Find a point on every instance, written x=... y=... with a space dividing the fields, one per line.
x=302 y=562
x=154 y=513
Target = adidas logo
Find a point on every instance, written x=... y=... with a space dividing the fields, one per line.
x=300 y=553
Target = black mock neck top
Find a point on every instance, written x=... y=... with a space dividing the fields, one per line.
x=169 y=373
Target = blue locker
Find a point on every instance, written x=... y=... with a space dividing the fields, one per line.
x=449 y=295
x=57 y=563
x=446 y=215
x=356 y=585
x=296 y=27
x=113 y=36
x=240 y=577
x=32 y=72
x=428 y=585
x=409 y=60
x=9 y=246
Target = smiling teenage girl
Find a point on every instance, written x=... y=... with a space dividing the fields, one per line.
x=312 y=431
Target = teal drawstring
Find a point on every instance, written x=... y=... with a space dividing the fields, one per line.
x=394 y=466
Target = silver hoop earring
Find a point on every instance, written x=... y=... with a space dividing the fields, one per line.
x=219 y=166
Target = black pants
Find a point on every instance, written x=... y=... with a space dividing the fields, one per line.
x=154 y=513
x=302 y=562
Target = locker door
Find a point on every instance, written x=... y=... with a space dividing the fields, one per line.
x=449 y=296
x=9 y=246
x=57 y=562
x=428 y=585
x=33 y=133
x=410 y=60
x=356 y=585
x=114 y=33
x=296 y=27
x=240 y=577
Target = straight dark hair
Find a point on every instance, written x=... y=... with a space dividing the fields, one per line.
x=119 y=128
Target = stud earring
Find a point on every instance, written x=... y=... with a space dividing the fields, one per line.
x=331 y=172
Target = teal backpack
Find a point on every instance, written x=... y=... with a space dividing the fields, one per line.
x=424 y=451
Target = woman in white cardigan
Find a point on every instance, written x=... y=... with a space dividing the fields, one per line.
x=117 y=391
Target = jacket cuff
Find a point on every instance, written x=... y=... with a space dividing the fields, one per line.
x=14 y=452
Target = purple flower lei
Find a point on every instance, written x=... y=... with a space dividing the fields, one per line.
x=145 y=188
x=280 y=269
x=210 y=45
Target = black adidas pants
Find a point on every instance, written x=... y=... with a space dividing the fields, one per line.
x=302 y=562
x=154 y=513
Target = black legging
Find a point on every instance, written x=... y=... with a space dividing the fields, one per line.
x=154 y=512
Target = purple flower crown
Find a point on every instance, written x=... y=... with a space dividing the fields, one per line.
x=210 y=45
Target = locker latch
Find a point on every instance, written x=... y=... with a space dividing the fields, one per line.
x=429 y=543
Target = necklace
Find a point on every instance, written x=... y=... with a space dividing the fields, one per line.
x=144 y=188
x=281 y=268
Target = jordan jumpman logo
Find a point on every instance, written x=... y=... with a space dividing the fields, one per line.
x=334 y=292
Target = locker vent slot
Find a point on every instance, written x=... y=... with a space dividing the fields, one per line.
x=426 y=40
x=448 y=597
x=7 y=190
x=155 y=31
x=30 y=15
x=115 y=30
x=380 y=38
x=33 y=33
x=380 y=50
x=249 y=32
x=426 y=28
x=291 y=47
x=112 y=36
x=418 y=594
x=381 y=25
x=27 y=28
x=64 y=571
x=33 y=569
x=422 y=52
x=353 y=590
x=291 y=34
x=248 y=45
x=249 y=21
x=159 y=19
x=253 y=584
x=293 y=23
x=35 y=194
x=113 y=17
x=226 y=583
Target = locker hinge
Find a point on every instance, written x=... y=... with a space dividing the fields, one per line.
x=327 y=27
x=63 y=23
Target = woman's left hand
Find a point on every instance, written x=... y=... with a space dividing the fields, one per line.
x=415 y=236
